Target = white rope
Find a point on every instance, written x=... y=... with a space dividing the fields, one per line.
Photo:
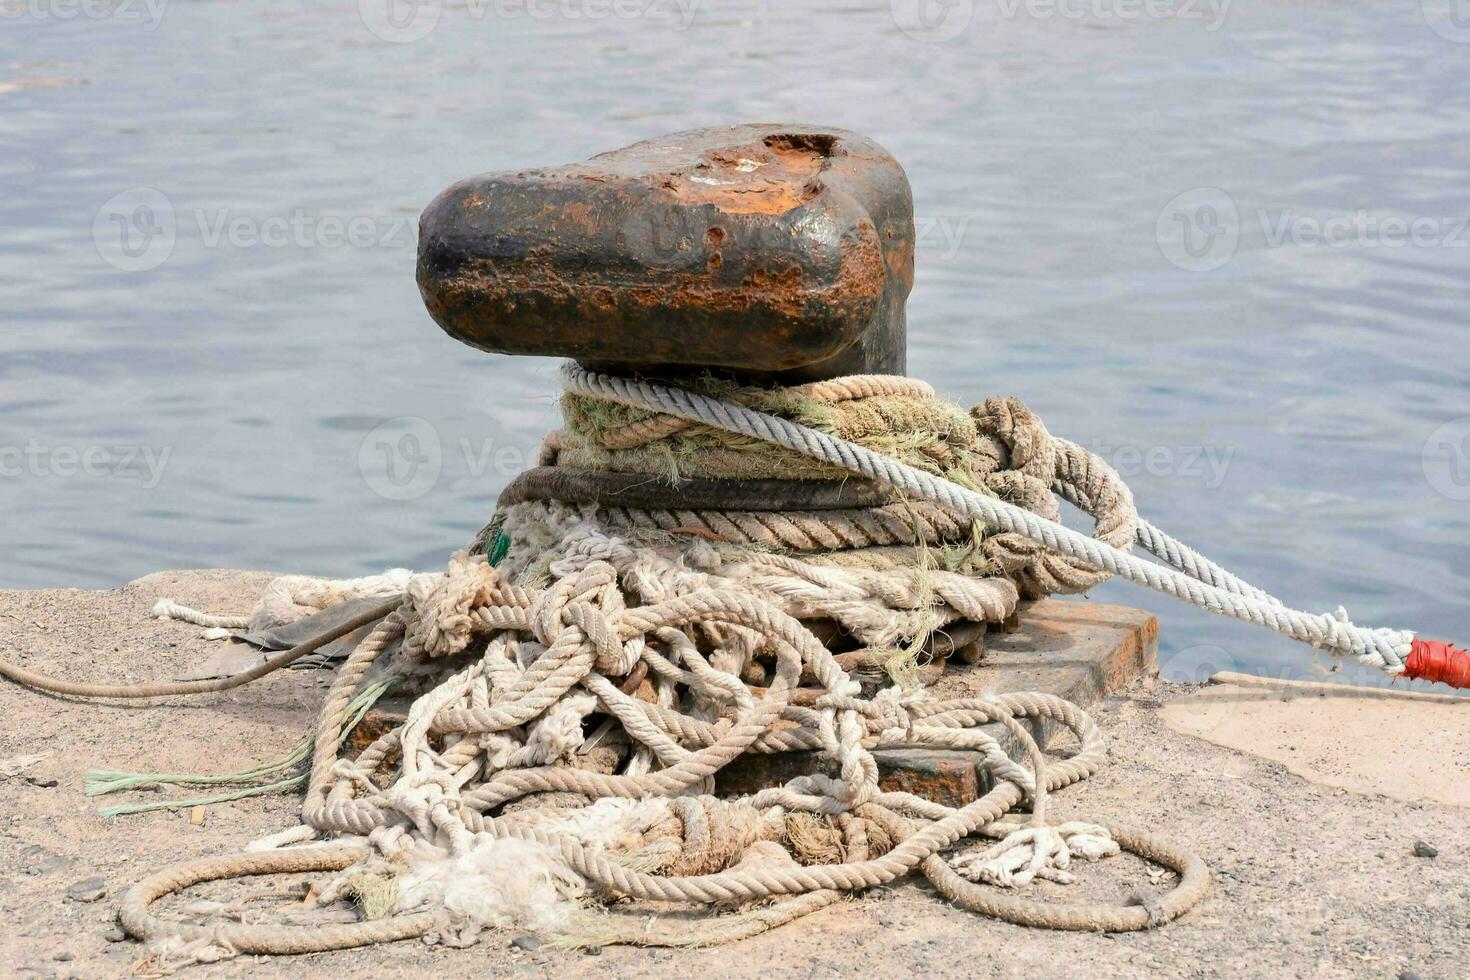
x=167 y=608
x=1191 y=578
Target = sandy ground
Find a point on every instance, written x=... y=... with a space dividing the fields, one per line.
x=1310 y=880
x=1333 y=735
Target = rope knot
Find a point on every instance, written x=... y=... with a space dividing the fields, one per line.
x=444 y=624
x=890 y=711
x=1029 y=447
x=590 y=601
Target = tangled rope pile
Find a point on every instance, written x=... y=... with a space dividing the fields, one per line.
x=686 y=580
x=507 y=725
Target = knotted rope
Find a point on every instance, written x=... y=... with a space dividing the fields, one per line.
x=632 y=637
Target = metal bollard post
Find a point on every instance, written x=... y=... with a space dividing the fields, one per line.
x=766 y=253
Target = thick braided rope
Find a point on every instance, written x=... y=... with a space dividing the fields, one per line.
x=828 y=392
x=832 y=530
x=1382 y=648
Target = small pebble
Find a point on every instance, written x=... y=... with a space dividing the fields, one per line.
x=1425 y=850
x=87 y=890
x=196 y=816
x=115 y=934
x=529 y=943
x=1408 y=975
x=62 y=956
x=593 y=950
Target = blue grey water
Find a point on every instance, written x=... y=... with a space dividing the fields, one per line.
x=1225 y=245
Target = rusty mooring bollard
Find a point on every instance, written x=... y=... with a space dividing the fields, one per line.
x=768 y=253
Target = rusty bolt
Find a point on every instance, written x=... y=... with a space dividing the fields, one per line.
x=768 y=253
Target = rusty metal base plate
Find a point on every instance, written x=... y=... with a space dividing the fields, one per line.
x=1076 y=650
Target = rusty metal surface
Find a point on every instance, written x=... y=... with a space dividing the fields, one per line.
x=772 y=253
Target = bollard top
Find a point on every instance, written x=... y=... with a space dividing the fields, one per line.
x=768 y=252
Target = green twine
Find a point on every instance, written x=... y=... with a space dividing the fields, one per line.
x=101 y=782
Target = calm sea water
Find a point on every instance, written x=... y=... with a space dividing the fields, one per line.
x=1225 y=245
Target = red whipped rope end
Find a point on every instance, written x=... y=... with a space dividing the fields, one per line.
x=1437 y=661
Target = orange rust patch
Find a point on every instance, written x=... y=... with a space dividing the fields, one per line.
x=770 y=177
